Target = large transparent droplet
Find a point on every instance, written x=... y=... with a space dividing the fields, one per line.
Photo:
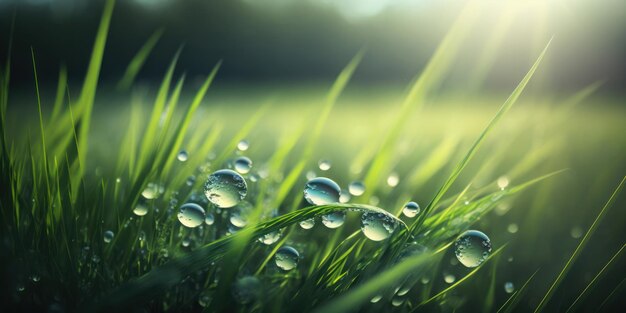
x=472 y=248
x=225 y=188
x=140 y=209
x=321 y=190
x=191 y=215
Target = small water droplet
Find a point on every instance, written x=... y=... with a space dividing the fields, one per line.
x=152 y=191
x=140 y=209
x=108 y=236
x=449 y=278
x=270 y=237
x=182 y=156
x=411 y=209
x=324 y=165
x=243 y=165
x=512 y=228
x=376 y=298
x=321 y=190
x=209 y=219
x=334 y=219
x=356 y=188
x=308 y=223
x=393 y=179
x=225 y=188
x=509 y=287
x=191 y=215
x=503 y=182
x=204 y=300
x=576 y=232
x=287 y=258
x=243 y=145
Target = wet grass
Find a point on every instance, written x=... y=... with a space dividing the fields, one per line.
x=70 y=174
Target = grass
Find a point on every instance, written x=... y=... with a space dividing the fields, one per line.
x=74 y=178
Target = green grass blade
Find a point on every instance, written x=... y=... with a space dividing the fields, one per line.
x=512 y=301
x=472 y=151
x=579 y=248
x=137 y=62
x=592 y=282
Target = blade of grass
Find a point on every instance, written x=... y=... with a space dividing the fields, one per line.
x=579 y=248
x=592 y=282
x=137 y=62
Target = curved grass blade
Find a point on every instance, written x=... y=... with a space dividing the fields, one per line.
x=579 y=248
x=494 y=121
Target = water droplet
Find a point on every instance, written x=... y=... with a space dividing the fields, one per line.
x=243 y=145
x=191 y=215
x=321 y=190
x=344 y=197
x=509 y=287
x=503 y=182
x=397 y=302
x=472 y=248
x=308 y=223
x=243 y=165
x=35 y=278
x=374 y=200
x=190 y=180
x=393 y=179
x=512 y=228
x=324 y=165
x=209 y=219
x=356 y=188
x=270 y=238
x=425 y=280
x=21 y=287
x=286 y=258
x=152 y=191
x=118 y=180
x=108 y=236
x=182 y=156
x=164 y=253
x=204 y=300
x=411 y=209
x=310 y=175
x=334 y=219
x=576 y=232
x=225 y=188
x=403 y=291
x=376 y=298
x=141 y=236
x=449 y=278
x=239 y=216
x=247 y=289
x=378 y=226
x=140 y=209
x=186 y=242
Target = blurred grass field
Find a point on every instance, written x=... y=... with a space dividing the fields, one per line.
x=535 y=179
